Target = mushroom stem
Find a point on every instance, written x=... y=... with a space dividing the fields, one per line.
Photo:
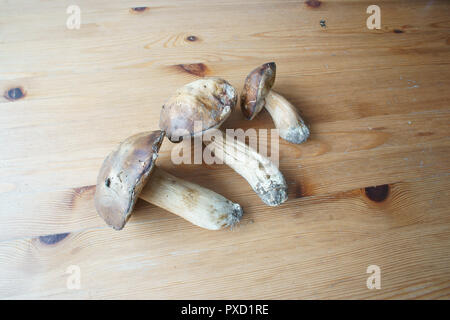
x=262 y=174
x=286 y=118
x=198 y=205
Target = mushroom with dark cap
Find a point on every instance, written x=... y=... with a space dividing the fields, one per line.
x=258 y=93
x=209 y=102
x=129 y=172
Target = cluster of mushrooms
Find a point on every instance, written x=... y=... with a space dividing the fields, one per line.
x=129 y=172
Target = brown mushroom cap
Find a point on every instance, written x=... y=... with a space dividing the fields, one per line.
x=207 y=101
x=257 y=84
x=123 y=175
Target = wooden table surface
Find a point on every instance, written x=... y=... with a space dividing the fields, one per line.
x=377 y=102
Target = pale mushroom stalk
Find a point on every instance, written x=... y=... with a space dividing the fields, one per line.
x=262 y=174
x=209 y=102
x=286 y=118
x=257 y=93
x=200 y=206
x=129 y=172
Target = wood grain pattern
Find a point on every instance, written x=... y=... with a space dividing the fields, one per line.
x=377 y=102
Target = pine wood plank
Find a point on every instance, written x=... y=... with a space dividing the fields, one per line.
x=316 y=247
x=377 y=102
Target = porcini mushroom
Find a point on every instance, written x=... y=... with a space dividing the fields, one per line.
x=209 y=102
x=258 y=93
x=129 y=172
